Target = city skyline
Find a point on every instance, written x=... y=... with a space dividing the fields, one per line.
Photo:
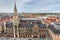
x=32 y=26
x=30 y=6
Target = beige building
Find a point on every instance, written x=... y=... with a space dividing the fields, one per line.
x=54 y=31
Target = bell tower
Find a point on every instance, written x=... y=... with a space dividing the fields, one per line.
x=15 y=22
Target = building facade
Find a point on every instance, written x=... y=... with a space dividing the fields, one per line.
x=54 y=31
x=23 y=28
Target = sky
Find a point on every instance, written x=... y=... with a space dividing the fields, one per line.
x=30 y=6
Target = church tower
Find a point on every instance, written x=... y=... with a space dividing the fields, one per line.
x=15 y=22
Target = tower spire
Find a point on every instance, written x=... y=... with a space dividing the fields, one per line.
x=15 y=8
x=15 y=22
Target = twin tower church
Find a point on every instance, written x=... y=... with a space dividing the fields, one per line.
x=23 y=28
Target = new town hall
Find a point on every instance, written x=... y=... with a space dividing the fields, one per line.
x=22 y=28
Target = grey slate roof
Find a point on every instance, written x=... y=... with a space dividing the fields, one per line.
x=26 y=25
x=9 y=24
x=54 y=30
x=42 y=25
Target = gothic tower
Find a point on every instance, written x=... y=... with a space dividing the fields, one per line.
x=15 y=22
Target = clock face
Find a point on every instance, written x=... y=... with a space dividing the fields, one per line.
x=15 y=22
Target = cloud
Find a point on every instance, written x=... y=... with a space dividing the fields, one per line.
x=6 y=6
x=30 y=5
x=22 y=2
x=41 y=6
x=47 y=8
x=6 y=10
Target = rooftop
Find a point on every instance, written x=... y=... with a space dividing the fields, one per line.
x=55 y=29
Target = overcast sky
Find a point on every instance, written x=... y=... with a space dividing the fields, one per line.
x=29 y=6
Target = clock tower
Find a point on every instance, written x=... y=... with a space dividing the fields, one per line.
x=15 y=22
